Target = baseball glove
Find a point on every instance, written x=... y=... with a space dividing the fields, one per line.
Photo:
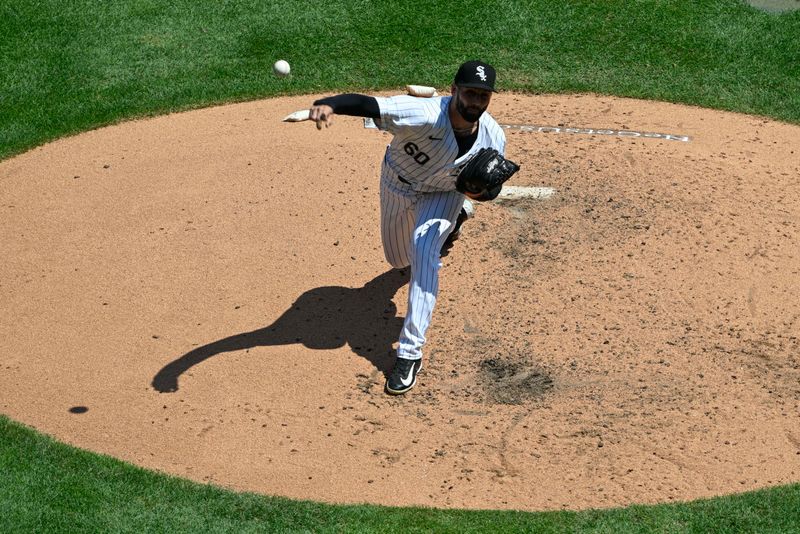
x=483 y=176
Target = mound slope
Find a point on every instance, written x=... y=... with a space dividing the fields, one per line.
x=204 y=294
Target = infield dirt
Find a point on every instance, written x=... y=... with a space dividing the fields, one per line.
x=205 y=294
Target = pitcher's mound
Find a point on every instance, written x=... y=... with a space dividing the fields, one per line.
x=205 y=294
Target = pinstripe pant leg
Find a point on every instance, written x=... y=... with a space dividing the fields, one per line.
x=397 y=222
x=436 y=214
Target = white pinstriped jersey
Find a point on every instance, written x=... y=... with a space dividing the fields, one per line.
x=424 y=149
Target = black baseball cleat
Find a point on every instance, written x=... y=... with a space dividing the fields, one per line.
x=467 y=212
x=404 y=376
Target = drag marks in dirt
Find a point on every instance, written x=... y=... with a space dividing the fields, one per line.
x=512 y=381
x=631 y=339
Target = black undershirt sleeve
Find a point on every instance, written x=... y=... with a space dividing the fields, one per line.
x=366 y=106
x=352 y=104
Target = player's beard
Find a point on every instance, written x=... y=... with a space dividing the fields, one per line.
x=471 y=114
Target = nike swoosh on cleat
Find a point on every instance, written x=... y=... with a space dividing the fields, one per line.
x=407 y=380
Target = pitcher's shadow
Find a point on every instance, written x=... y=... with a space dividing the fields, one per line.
x=365 y=318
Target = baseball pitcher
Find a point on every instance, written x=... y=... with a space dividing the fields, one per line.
x=443 y=150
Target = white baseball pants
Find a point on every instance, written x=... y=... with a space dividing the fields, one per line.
x=414 y=226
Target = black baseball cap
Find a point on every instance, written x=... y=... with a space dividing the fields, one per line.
x=476 y=74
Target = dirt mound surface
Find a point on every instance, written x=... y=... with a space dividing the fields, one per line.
x=205 y=294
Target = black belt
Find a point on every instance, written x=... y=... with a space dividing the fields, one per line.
x=403 y=180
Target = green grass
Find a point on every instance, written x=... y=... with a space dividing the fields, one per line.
x=66 y=67
x=46 y=486
x=70 y=66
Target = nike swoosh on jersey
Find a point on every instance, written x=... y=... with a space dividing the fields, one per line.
x=432 y=138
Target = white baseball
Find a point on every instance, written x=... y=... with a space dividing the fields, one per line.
x=281 y=68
